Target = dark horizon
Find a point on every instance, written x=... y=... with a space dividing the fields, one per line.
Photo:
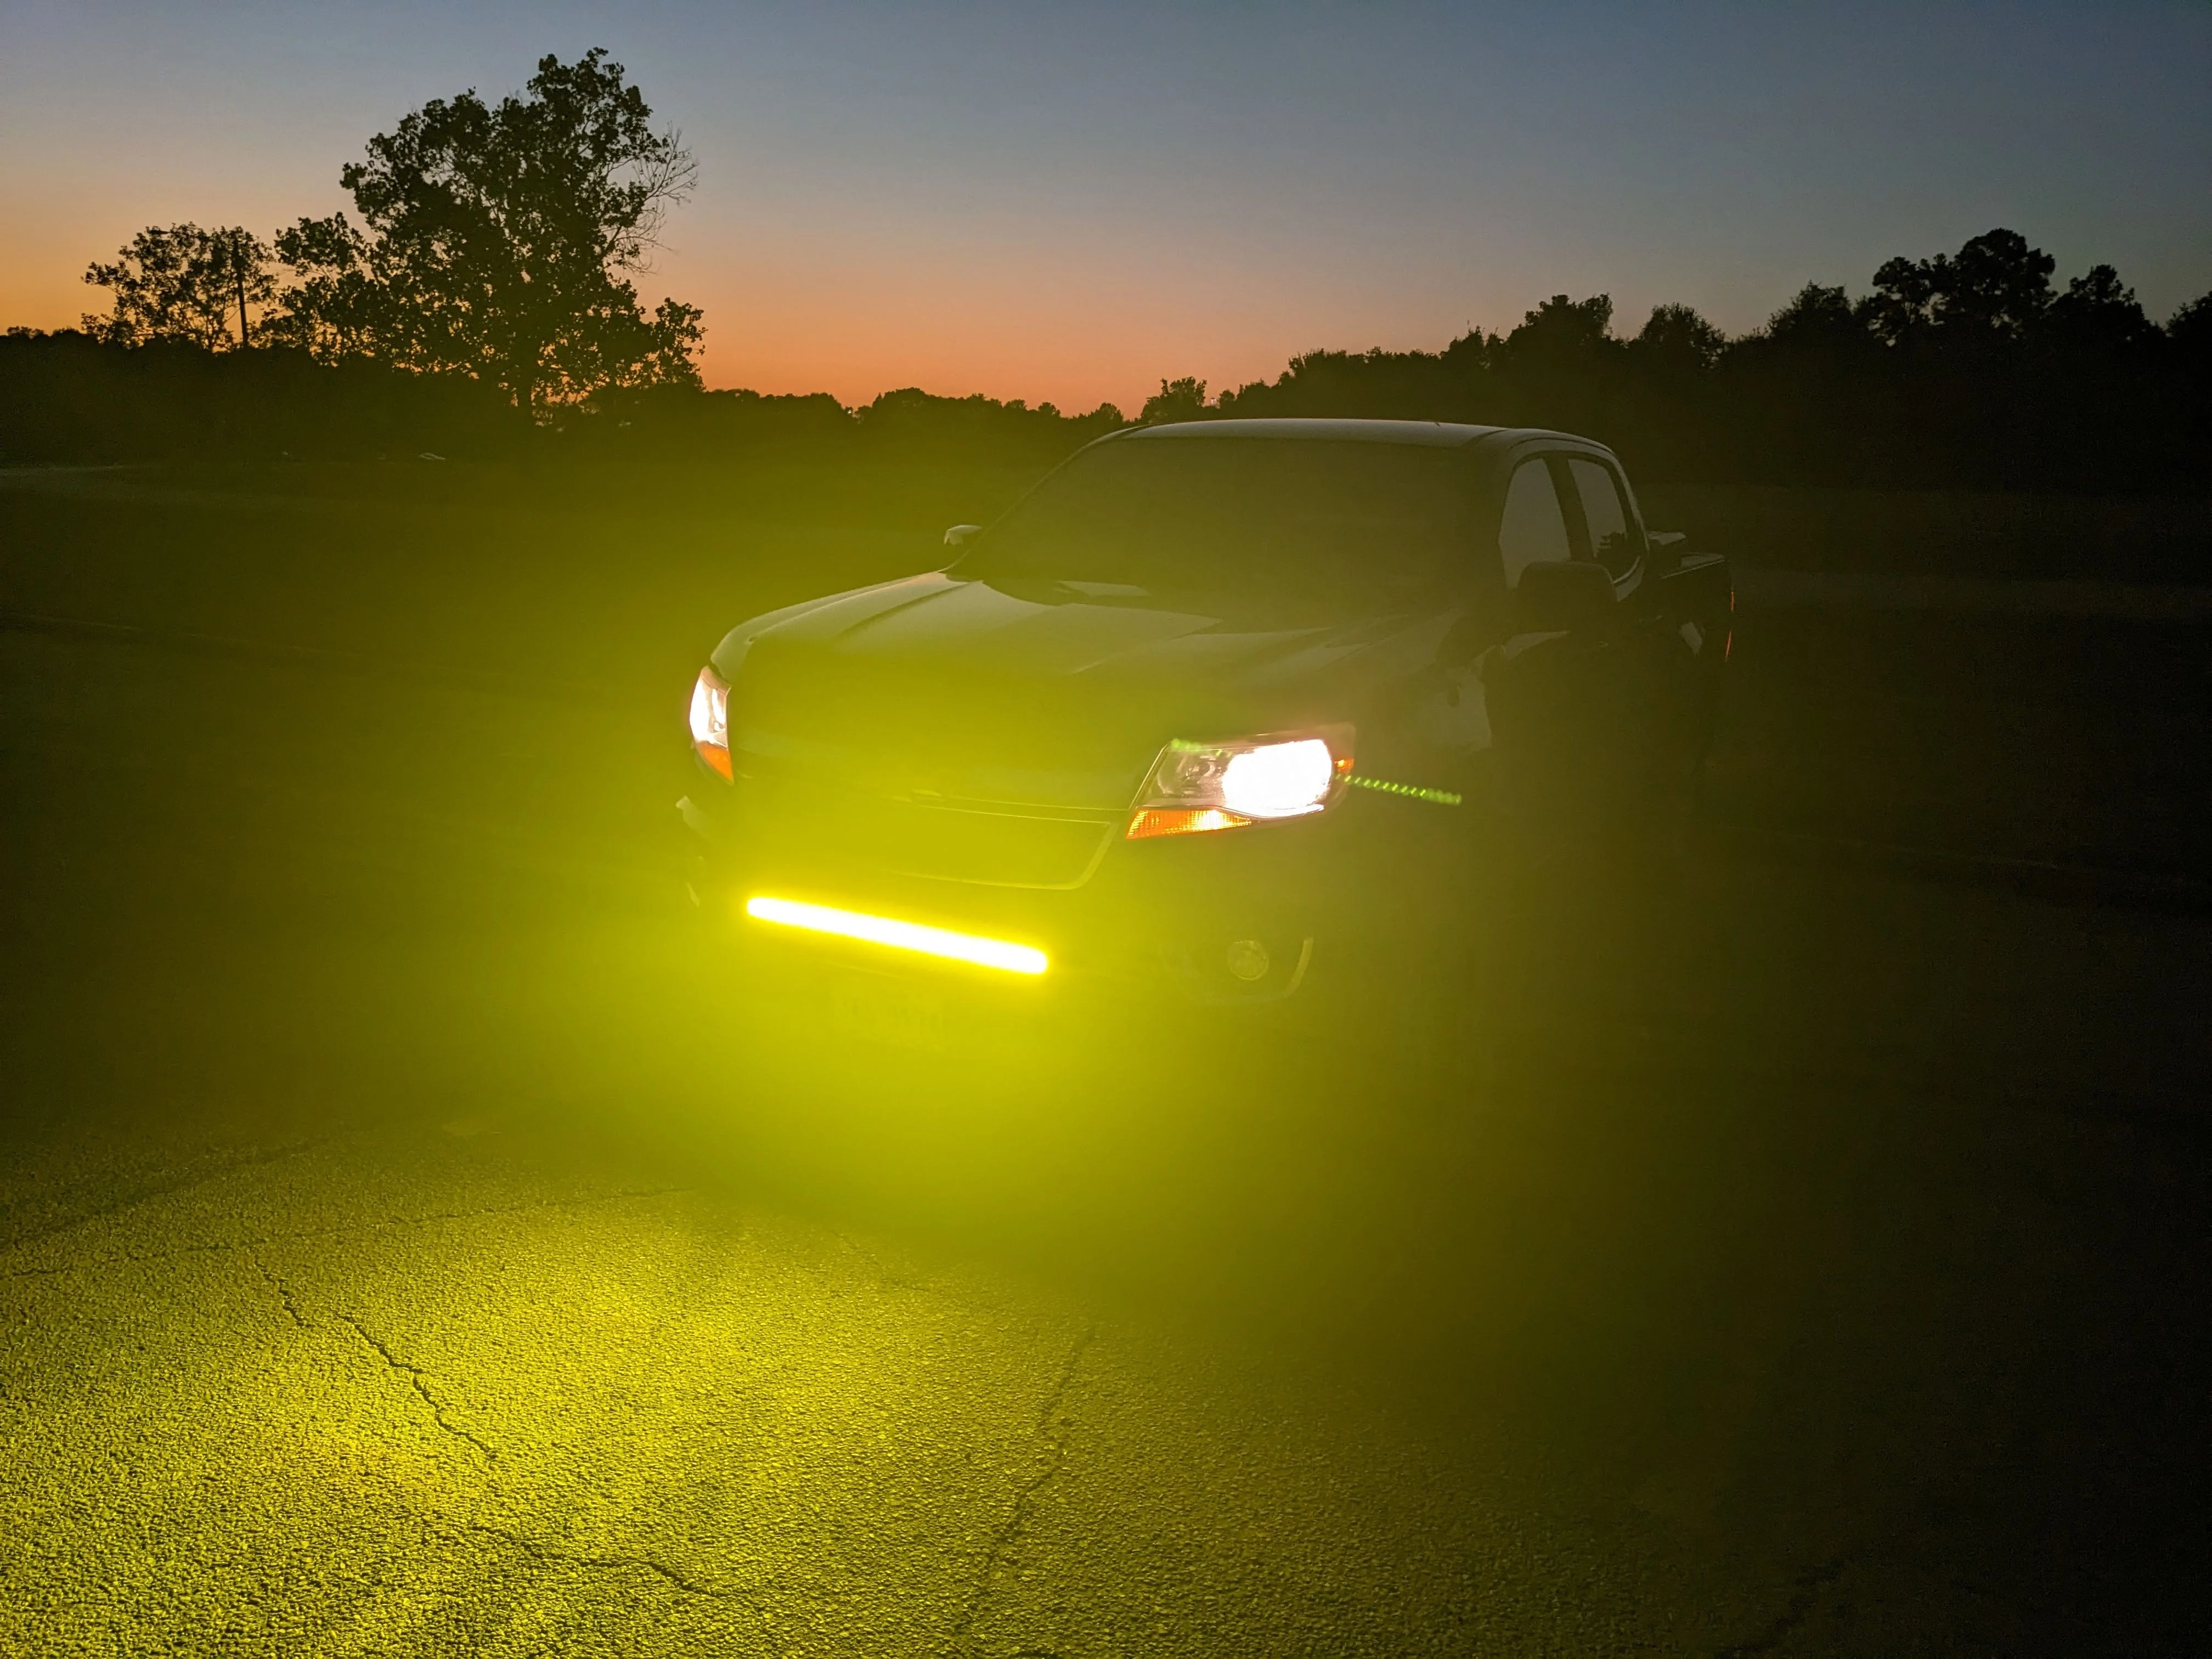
x=1979 y=367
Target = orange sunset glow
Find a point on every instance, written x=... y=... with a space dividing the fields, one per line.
x=1070 y=205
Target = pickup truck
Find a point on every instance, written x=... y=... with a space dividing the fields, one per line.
x=1217 y=708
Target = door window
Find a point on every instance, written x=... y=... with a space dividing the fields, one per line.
x=1533 y=527
x=1612 y=542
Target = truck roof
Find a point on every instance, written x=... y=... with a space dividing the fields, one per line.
x=1432 y=434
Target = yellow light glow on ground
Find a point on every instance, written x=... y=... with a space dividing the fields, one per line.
x=898 y=935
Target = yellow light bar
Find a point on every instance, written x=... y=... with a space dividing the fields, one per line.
x=898 y=935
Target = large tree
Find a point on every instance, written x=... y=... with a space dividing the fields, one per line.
x=1677 y=340
x=1178 y=400
x=180 y=282
x=500 y=241
x=338 y=308
x=1996 y=288
x=2099 y=317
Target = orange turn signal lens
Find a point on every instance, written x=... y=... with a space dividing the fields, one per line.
x=1182 y=821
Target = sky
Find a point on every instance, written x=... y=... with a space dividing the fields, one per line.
x=1069 y=202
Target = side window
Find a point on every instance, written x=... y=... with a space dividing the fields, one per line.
x=1612 y=544
x=1533 y=527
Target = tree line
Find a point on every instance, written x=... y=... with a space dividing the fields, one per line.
x=1959 y=369
x=482 y=300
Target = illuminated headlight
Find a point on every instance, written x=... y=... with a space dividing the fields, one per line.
x=1194 y=788
x=710 y=720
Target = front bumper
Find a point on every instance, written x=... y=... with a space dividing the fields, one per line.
x=1239 y=915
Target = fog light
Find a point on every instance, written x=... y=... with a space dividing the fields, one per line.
x=1248 y=959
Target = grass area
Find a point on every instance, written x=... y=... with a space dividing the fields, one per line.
x=607 y=578
x=2021 y=738
x=1952 y=533
x=445 y=560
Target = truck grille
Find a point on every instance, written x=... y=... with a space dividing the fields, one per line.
x=995 y=846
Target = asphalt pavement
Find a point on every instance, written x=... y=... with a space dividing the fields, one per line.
x=418 y=1237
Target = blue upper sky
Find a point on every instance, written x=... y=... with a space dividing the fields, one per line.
x=1069 y=201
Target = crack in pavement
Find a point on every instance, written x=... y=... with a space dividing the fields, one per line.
x=1018 y=1520
x=643 y=1563
x=131 y=1258
x=283 y=1290
x=415 y=1375
x=1803 y=1593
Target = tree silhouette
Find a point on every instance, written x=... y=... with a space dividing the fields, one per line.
x=500 y=241
x=1178 y=400
x=2100 y=314
x=338 y=309
x=1996 y=287
x=1560 y=367
x=1562 y=330
x=496 y=245
x=1676 y=341
x=1817 y=317
x=2190 y=329
x=181 y=283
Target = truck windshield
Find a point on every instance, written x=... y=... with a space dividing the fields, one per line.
x=1305 y=519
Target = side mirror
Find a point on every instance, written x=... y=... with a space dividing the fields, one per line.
x=1562 y=596
x=1666 y=549
x=960 y=532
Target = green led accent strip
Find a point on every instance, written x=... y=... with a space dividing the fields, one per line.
x=1411 y=792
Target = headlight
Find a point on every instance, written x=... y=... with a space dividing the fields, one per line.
x=1194 y=788
x=710 y=720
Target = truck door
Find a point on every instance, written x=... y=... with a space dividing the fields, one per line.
x=1550 y=694
x=1653 y=686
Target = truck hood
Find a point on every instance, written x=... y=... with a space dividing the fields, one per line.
x=936 y=687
